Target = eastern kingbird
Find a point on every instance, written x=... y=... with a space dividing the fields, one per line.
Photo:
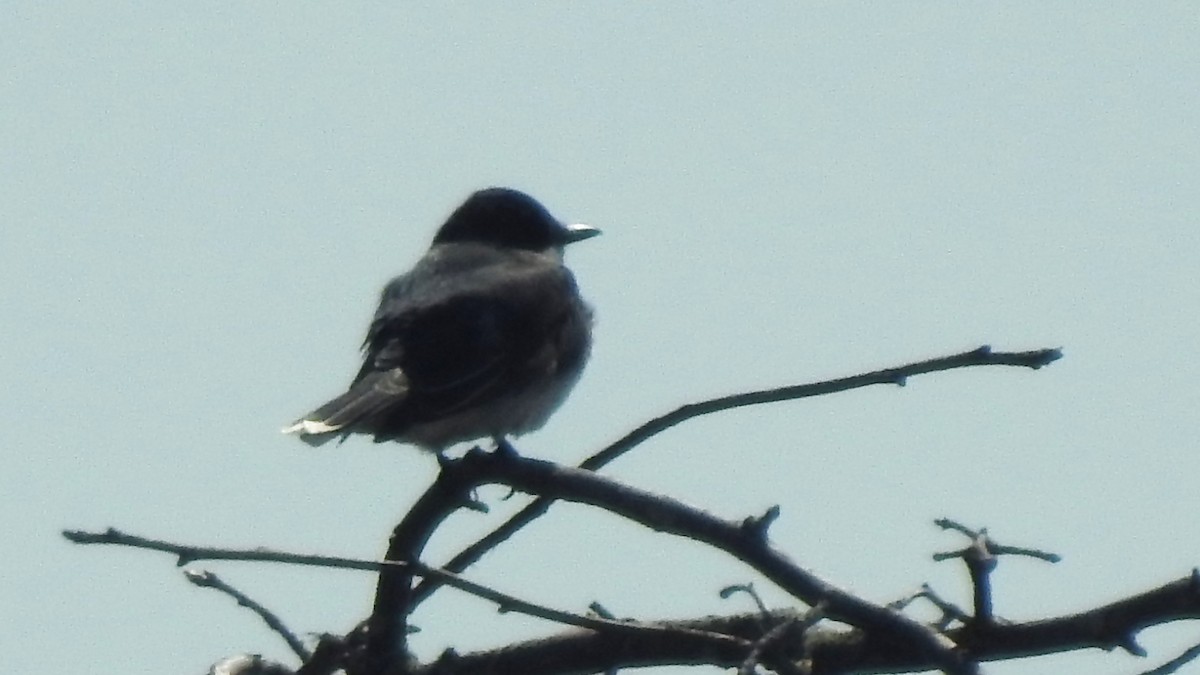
x=483 y=338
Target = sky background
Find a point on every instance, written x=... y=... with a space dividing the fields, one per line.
x=199 y=203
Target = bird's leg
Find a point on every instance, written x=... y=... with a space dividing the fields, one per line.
x=442 y=458
x=504 y=448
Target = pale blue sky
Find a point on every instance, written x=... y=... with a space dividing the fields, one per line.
x=199 y=203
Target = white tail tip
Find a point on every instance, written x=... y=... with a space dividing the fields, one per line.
x=310 y=427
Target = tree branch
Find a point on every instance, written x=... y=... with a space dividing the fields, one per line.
x=1176 y=663
x=206 y=579
x=505 y=602
x=831 y=651
x=743 y=542
x=983 y=356
x=980 y=557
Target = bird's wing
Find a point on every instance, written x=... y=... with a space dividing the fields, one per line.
x=462 y=330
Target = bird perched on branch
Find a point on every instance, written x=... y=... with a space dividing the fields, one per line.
x=483 y=338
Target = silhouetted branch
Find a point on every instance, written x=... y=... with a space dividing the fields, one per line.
x=950 y=611
x=748 y=589
x=769 y=640
x=828 y=650
x=745 y=543
x=992 y=547
x=983 y=356
x=980 y=558
x=505 y=602
x=387 y=632
x=1176 y=663
x=206 y=579
x=591 y=652
x=186 y=553
x=831 y=651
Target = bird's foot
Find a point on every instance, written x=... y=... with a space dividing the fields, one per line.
x=504 y=448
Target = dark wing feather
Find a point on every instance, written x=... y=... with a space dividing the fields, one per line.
x=457 y=331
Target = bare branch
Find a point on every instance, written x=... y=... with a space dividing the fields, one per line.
x=667 y=515
x=950 y=611
x=983 y=356
x=748 y=589
x=206 y=579
x=1176 y=663
x=188 y=554
x=992 y=547
x=329 y=656
x=387 y=627
x=1105 y=627
x=831 y=651
x=767 y=641
x=589 y=652
x=980 y=558
x=504 y=601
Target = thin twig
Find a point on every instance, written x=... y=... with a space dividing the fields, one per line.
x=186 y=554
x=505 y=601
x=992 y=547
x=748 y=589
x=750 y=664
x=983 y=356
x=206 y=579
x=950 y=611
x=1176 y=663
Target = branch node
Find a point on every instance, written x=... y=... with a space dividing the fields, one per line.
x=1048 y=357
x=602 y=611
x=1129 y=643
x=445 y=663
x=1176 y=663
x=505 y=450
x=950 y=611
x=472 y=502
x=949 y=524
x=758 y=526
x=761 y=646
x=748 y=589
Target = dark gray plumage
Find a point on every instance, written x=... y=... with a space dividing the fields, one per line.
x=484 y=337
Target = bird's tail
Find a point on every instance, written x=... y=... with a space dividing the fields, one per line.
x=349 y=413
x=313 y=431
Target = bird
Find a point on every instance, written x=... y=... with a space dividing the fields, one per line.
x=483 y=338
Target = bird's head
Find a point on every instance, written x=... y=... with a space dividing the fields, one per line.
x=509 y=218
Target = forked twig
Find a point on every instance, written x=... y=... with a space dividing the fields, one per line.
x=206 y=579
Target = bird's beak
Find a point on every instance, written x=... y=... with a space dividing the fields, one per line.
x=578 y=232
